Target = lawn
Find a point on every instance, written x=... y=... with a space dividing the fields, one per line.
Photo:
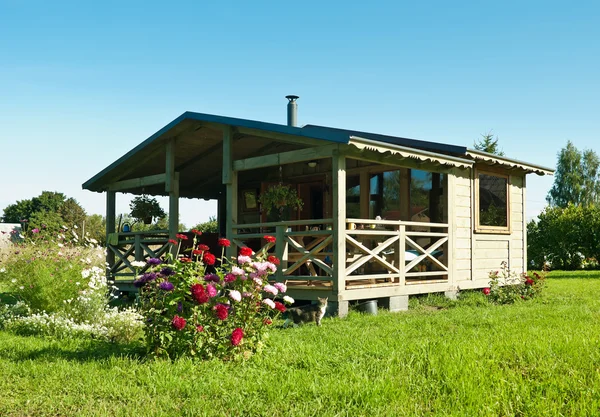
x=442 y=358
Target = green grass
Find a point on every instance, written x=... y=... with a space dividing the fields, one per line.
x=441 y=358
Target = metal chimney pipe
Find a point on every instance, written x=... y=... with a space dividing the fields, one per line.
x=292 y=110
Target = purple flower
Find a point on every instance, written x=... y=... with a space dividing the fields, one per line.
x=229 y=277
x=212 y=278
x=149 y=276
x=166 y=271
x=166 y=286
x=179 y=307
x=153 y=261
x=139 y=283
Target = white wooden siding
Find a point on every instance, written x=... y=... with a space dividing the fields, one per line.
x=462 y=211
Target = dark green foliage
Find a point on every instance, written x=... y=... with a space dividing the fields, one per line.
x=50 y=210
x=564 y=238
x=576 y=180
x=488 y=144
x=145 y=209
x=210 y=226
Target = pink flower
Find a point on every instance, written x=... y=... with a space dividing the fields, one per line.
x=229 y=277
x=236 y=270
x=242 y=259
x=269 y=302
x=235 y=295
x=236 y=336
x=280 y=286
x=486 y=291
x=36 y=230
x=211 y=290
x=199 y=328
x=257 y=280
x=270 y=289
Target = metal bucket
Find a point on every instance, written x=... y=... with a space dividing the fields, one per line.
x=369 y=307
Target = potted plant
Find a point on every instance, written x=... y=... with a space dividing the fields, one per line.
x=280 y=198
x=144 y=209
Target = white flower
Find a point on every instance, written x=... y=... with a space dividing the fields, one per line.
x=269 y=302
x=235 y=295
x=288 y=299
x=2 y=270
x=13 y=280
x=75 y=226
x=77 y=283
x=21 y=287
x=138 y=264
x=60 y=245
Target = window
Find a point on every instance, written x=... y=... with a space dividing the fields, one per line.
x=492 y=202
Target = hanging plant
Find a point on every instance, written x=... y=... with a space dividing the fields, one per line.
x=144 y=209
x=279 y=198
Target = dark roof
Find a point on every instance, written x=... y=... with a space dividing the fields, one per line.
x=394 y=140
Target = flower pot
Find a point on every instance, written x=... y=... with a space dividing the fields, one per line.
x=368 y=306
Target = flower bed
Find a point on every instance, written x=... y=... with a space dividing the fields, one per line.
x=192 y=307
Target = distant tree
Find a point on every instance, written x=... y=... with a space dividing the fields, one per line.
x=576 y=180
x=50 y=210
x=210 y=226
x=95 y=228
x=488 y=144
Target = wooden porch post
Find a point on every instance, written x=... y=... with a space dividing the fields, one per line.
x=230 y=179
x=172 y=187
x=110 y=226
x=339 y=232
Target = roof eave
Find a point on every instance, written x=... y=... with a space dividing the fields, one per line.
x=513 y=163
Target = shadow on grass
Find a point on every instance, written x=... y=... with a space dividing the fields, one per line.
x=574 y=274
x=51 y=350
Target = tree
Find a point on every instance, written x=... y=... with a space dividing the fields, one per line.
x=144 y=209
x=210 y=226
x=576 y=180
x=50 y=210
x=488 y=144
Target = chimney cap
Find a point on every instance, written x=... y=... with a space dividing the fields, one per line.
x=292 y=97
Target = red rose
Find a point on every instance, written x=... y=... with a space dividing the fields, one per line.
x=280 y=306
x=209 y=259
x=173 y=241
x=529 y=281
x=221 y=311
x=199 y=294
x=196 y=232
x=203 y=247
x=199 y=328
x=273 y=259
x=245 y=251
x=178 y=322
x=236 y=336
x=486 y=291
x=270 y=239
x=197 y=252
x=181 y=236
x=224 y=242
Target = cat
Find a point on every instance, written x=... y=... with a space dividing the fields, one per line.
x=307 y=313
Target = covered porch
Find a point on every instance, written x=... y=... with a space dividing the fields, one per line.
x=376 y=221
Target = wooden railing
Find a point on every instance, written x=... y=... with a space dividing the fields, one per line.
x=135 y=246
x=303 y=247
x=395 y=252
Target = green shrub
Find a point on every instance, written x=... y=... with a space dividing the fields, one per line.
x=507 y=287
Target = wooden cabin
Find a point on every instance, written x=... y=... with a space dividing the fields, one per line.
x=383 y=217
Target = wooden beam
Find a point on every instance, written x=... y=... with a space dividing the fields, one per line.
x=365 y=194
x=280 y=137
x=170 y=165
x=230 y=179
x=339 y=223
x=138 y=182
x=396 y=160
x=110 y=224
x=290 y=157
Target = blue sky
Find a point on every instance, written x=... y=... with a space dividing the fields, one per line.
x=81 y=83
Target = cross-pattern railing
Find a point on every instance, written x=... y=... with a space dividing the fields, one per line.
x=303 y=247
x=395 y=252
x=135 y=246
